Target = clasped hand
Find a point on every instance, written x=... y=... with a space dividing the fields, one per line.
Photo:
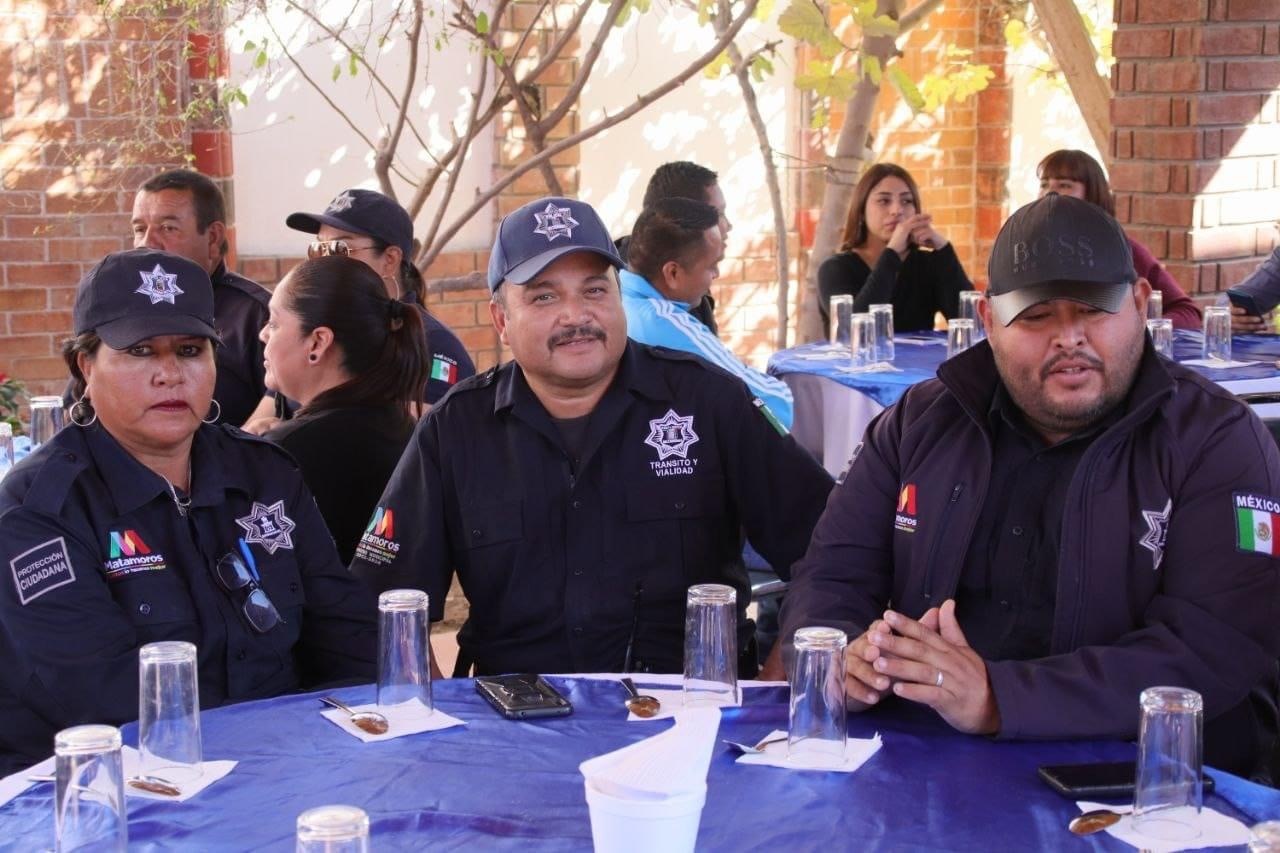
x=926 y=661
x=916 y=229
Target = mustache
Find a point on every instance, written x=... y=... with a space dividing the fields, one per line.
x=1095 y=363
x=586 y=332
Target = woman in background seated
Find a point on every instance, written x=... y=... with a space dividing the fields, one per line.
x=891 y=253
x=146 y=522
x=355 y=359
x=1075 y=173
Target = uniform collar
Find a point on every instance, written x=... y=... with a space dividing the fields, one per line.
x=133 y=485
x=637 y=285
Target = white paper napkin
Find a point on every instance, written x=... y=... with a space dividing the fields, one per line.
x=1216 y=830
x=919 y=342
x=211 y=771
x=856 y=753
x=876 y=367
x=668 y=764
x=407 y=718
x=672 y=701
x=1218 y=364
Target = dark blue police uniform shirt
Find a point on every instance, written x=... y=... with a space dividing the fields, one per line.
x=239 y=313
x=99 y=561
x=557 y=556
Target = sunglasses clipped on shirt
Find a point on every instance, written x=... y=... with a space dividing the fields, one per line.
x=238 y=573
x=325 y=248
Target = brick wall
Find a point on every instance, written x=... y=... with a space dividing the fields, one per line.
x=77 y=134
x=1196 y=141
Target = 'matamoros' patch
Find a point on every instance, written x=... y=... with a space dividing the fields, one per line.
x=43 y=568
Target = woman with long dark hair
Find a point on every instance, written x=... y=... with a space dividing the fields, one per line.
x=891 y=253
x=1074 y=173
x=355 y=359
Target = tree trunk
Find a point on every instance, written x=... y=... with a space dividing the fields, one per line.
x=843 y=169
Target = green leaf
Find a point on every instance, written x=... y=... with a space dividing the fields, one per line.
x=353 y=67
x=764 y=10
x=879 y=25
x=871 y=69
x=482 y=24
x=260 y=60
x=337 y=71
x=717 y=66
x=805 y=22
x=906 y=88
x=826 y=83
x=249 y=46
x=818 y=120
x=761 y=67
x=1015 y=33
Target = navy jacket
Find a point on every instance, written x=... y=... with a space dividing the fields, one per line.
x=98 y=561
x=1153 y=586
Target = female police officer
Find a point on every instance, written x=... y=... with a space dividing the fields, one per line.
x=143 y=522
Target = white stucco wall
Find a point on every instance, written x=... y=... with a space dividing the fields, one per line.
x=294 y=152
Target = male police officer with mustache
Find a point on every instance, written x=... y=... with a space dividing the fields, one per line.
x=579 y=490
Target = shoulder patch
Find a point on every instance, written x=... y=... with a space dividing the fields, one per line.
x=41 y=569
x=1256 y=519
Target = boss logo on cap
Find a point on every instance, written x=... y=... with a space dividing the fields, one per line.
x=1063 y=250
x=159 y=286
x=555 y=222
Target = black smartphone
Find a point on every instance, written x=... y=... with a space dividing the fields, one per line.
x=1245 y=301
x=1106 y=780
x=520 y=697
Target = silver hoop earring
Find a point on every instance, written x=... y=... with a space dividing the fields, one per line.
x=214 y=419
x=78 y=408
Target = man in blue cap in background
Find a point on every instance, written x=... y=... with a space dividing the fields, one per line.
x=579 y=490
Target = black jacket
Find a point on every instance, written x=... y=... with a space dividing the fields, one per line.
x=918 y=286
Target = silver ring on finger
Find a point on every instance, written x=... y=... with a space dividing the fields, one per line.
x=938 y=681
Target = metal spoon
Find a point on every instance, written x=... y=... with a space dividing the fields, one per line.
x=641 y=706
x=155 y=785
x=1094 y=821
x=369 y=721
x=758 y=748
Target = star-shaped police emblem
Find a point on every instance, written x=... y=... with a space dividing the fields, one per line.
x=159 y=286
x=1157 y=530
x=555 y=222
x=268 y=526
x=671 y=435
x=341 y=202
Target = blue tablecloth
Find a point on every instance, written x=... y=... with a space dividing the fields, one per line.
x=503 y=785
x=917 y=358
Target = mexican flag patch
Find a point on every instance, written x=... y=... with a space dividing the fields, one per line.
x=1257 y=518
x=445 y=371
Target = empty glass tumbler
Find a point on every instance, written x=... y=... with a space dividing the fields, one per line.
x=882 y=342
x=169 y=712
x=711 y=645
x=46 y=419
x=333 y=829
x=959 y=336
x=88 y=800
x=1168 y=796
x=1217 y=333
x=969 y=301
x=841 y=309
x=404 y=648
x=1155 y=305
x=862 y=340
x=817 y=731
x=1161 y=336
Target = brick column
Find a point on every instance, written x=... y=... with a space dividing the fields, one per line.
x=991 y=163
x=1196 y=138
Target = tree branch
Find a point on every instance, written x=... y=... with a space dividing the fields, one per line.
x=387 y=152
x=584 y=70
x=916 y=14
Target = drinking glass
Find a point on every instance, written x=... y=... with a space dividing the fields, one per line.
x=6 y=448
x=862 y=333
x=883 y=339
x=1162 y=336
x=404 y=648
x=959 y=336
x=88 y=801
x=46 y=419
x=817 y=732
x=333 y=829
x=1168 y=795
x=969 y=300
x=1265 y=837
x=169 y=712
x=841 y=310
x=711 y=645
x=1217 y=333
x=1155 y=305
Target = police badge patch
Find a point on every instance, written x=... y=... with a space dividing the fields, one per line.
x=159 y=286
x=555 y=222
x=268 y=526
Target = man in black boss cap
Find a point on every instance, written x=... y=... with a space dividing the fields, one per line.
x=579 y=490
x=1060 y=520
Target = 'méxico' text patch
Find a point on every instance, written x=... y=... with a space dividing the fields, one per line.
x=41 y=569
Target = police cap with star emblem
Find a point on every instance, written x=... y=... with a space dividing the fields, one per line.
x=530 y=238
x=361 y=212
x=1059 y=247
x=138 y=294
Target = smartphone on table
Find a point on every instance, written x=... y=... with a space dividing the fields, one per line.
x=523 y=696
x=1244 y=300
x=1105 y=780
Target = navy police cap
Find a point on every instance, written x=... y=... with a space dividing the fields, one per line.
x=530 y=238
x=140 y=293
x=362 y=212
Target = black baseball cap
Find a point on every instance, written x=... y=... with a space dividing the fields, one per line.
x=1059 y=247
x=363 y=212
x=530 y=238
x=138 y=294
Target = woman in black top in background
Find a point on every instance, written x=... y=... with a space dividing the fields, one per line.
x=891 y=253
x=355 y=359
